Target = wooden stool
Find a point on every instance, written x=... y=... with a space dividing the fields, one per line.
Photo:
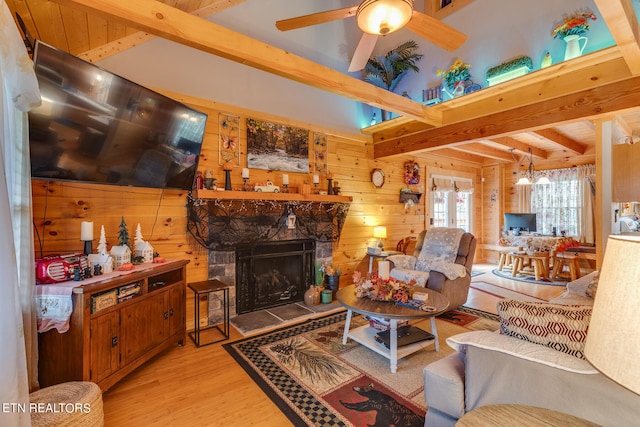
x=562 y=259
x=539 y=262
x=506 y=259
x=207 y=287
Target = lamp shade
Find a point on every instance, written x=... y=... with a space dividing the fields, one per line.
x=380 y=232
x=613 y=339
x=383 y=16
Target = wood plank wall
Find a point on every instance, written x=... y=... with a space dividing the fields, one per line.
x=59 y=208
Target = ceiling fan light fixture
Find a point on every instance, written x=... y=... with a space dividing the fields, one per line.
x=382 y=17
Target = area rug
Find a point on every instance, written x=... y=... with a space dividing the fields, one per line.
x=527 y=278
x=500 y=292
x=472 y=318
x=317 y=381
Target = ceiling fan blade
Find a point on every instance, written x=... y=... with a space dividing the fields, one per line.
x=315 y=18
x=363 y=51
x=436 y=31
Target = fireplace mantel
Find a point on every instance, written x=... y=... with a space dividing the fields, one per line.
x=255 y=195
x=229 y=218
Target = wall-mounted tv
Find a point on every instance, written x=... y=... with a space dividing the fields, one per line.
x=520 y=221
x=95 y=126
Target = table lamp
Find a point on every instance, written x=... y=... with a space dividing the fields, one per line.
x=613 y=339
x=380 y=232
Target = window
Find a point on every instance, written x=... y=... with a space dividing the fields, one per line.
x=562 y=203
x=451 y=202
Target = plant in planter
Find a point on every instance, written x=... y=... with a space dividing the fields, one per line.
x=455 y=78
x=387 y=71
x=332 y=275
x=508 y=70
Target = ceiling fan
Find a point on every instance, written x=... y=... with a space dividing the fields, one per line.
x=378 y=18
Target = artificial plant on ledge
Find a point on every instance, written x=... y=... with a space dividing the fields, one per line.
x=387 y=71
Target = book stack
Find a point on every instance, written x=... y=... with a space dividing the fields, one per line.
x=383 y=324
x=408 y=334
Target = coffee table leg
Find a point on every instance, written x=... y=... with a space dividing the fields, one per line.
x=393 y=347
x=347 y=323
x=434 y=331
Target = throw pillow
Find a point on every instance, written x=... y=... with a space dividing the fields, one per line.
x=592 y=287
x=560 y=327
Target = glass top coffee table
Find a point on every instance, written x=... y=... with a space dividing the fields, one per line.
x=366 y=335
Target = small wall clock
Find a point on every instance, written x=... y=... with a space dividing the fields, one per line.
x=377 y=177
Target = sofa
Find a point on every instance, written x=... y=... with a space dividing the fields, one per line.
x=455 y=289
x=495 y=368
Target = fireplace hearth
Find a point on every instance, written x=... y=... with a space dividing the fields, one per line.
x=273 y=273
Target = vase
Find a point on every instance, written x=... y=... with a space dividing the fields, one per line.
x=574 y=47
x=333 y=283
x=312 y=296
x=458 y=89
x=227 y=180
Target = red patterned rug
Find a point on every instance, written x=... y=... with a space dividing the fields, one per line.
x=315 y=380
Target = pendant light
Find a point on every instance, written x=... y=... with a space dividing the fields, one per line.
x=383 y=17
x=530 y=176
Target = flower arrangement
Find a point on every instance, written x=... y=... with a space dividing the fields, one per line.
x=458 y=72
x=330 y=270
x=565 y=244
x=574 y=25
x=379 y=289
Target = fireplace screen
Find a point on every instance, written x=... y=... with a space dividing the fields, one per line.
x=271 y=274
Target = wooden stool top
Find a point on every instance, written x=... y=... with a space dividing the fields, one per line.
x=566 y=255
x=207 y=286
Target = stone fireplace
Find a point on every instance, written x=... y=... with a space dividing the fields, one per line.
x=274 y=273
x=248 y=239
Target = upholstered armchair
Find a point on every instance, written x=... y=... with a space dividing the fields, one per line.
x=451 y=279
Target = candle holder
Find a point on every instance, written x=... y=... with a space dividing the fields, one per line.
x=88 y=247
x=227 y=180
x=315 y=188
x=245 y=185
x=329 y=186
x=285 y=188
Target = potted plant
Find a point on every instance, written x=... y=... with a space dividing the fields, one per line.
x=387 y=71
x=332 y=276
x=455 y=78
x=508 y=70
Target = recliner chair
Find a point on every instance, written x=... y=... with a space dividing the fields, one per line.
x=456 y=290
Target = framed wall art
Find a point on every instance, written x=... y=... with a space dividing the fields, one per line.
x=320 y=153
x=273 y=146
x=229 y=139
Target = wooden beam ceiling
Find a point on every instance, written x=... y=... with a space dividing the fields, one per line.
x=560 y=139
x=127 y=42
x=622 y=22
x=591 y=103
x=173 y=24
x=514 y=144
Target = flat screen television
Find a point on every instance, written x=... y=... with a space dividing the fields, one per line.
x=522 y=221
x=95 y=126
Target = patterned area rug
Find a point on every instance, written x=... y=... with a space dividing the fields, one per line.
x=529 y=278
x=317 y=381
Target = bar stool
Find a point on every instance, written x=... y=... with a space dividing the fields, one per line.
x=539 y=262
x=207 y=287
x=562 y=259
x=506 y=258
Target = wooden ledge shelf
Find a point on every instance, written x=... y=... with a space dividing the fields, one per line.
x=255 y=195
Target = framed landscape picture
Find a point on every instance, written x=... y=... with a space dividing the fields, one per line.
x=273 y=146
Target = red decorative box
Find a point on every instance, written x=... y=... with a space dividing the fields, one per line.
x=59 y=268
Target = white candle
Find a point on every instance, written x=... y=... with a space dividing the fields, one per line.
x=86 y=231
x=285 y=179
x=245 y=172
x=316 y=179
x=383 y=270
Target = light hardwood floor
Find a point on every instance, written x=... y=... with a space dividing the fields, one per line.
x=189 y=386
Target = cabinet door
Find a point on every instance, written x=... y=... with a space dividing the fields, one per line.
x=142 y=326
x=177 y=310
x=104 y=346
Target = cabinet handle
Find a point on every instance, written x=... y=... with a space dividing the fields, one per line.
x=114 y=341
x=171 y=312
x=166 y=315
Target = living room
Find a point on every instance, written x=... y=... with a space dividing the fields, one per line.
x=59 y=207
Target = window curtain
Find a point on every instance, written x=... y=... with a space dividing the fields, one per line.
x=563 y=203
x=442 y=184
x=18 y=93
x=463 y=187
x=523 y=194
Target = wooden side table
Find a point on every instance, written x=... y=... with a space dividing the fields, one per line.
x=519 y=415
x=207 y=287
x=381 y=256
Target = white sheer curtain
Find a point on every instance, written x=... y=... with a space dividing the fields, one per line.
x=563 y=203
x=18 y=93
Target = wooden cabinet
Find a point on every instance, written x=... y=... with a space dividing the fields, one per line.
x=625 y=172
x=105 y=344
